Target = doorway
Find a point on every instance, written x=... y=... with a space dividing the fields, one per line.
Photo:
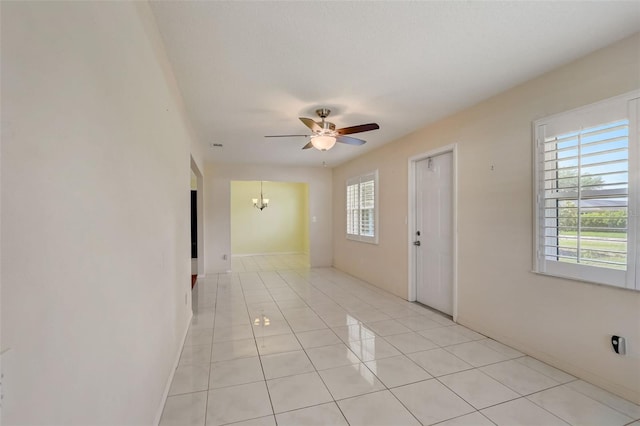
x=263 y=238
x=194 y=234
x=197 y=238
x=432 y=227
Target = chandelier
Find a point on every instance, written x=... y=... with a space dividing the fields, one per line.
x=262 y=203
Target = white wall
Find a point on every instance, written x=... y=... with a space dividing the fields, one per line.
x=95 y=214
x=218 y=179
x=566 y=323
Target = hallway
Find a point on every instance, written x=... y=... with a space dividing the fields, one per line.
x=273 y=345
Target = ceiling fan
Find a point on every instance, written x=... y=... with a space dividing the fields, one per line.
x=325 y=135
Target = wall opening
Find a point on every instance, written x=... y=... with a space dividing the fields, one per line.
x=197 y=263
x=280 y=229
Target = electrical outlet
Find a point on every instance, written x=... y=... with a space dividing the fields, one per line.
x=619 y=345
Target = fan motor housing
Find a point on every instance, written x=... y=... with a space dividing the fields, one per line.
x=327 y=127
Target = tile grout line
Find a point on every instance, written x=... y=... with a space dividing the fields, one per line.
x=307 y=355
x=583 y=394
x=206 y=406
x=255 y=341
x=362 y=362
x=323 y=288
x=602 y=402
x=437 y=377
x=385 y=386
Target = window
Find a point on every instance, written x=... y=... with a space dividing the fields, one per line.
x=362 y=208
x=587 y=165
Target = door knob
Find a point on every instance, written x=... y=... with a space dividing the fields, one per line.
x=416 y=243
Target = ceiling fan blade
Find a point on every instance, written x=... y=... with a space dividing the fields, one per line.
x=311 y=124
x=358 y=129
x=307 y=146
x=284 y=136
x=349 y=140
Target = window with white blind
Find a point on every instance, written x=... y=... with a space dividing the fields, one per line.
x=587 y=171
x=362 y=208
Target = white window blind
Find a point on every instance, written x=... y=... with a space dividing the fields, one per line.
x=585 y=193
x=362 y=211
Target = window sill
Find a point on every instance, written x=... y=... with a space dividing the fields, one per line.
x=366 y=240
x=563 y=277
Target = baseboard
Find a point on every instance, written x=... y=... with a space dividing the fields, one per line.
x=218 y=271
x=580 y=373
x=279 y=253
x=165 y=395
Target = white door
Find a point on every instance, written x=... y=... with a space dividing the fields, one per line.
x=434 y=231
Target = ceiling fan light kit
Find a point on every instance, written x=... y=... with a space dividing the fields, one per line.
x=325 y=135
x=323 y=143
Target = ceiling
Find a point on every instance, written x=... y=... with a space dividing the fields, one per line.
x=250 y=69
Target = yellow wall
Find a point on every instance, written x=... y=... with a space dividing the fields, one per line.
x=283 y=227
x=566 y=323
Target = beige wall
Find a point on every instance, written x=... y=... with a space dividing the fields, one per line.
x=95 y=215
x=217 y=217
x=565 y=323
x=280 y=228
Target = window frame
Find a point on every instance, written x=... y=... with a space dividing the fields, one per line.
x=359 y=180
x=589 y=116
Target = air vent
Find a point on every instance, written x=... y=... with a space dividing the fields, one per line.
x=215 y=145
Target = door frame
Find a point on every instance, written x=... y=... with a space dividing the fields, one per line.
x=199 y=216
x=411 y=221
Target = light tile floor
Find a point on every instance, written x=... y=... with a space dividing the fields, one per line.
x=279 y=343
